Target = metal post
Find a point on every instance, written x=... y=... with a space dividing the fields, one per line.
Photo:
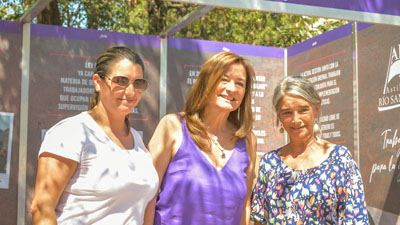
x=289 y=7
x=163 y=75
x=285 y=74
x=23 y=130
x=34 y=10
x=355 y=96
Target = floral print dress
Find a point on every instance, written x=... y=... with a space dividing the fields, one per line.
x=331 y=193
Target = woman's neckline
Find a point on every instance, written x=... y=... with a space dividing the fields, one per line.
x=106 y=136
x=331 y=150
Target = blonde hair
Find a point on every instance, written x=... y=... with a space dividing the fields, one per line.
x=208 y=80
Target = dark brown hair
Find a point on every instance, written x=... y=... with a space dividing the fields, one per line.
x=106 y=60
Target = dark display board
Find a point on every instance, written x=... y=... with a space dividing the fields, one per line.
x=185 y=58
x=61 y=69
x=327 y=61
x=379 y=111
x=10 y=98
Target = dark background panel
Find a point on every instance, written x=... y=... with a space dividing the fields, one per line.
x=330 y=68
x=184 y=67
x=61 y=82
x=378 y=50
x=10 y=98
x=269 y=71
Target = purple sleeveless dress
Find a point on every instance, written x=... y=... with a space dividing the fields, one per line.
x=193 y=192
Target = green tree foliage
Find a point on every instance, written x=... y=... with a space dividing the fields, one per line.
x=257 y=28
x=154 y=16
x=13 y=9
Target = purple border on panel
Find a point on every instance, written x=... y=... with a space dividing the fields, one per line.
x=94 y=35
x=362 y=26
x=214 y=46
x=322 y=39
x=10 y=27
x=388 y=7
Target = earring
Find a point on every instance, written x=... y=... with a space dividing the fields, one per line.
x=317 y=130
x=281 y=130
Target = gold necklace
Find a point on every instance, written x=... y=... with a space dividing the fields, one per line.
x=215 y=141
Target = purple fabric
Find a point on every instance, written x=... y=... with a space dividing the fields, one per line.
x=193 y=192
x=329 y=36
x=10 y=27
x=362 y=26
x=216 y=46
x=389 y=7
x=94 y=35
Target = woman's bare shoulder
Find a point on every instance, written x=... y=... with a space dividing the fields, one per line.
x=172 y=120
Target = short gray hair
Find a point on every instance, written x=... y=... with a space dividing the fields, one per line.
x=297 y=86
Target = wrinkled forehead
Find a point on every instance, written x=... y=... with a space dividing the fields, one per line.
x=288 y=100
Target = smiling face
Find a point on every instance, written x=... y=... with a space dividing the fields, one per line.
x=118 y=100
x=297 y=116
x=230 y=91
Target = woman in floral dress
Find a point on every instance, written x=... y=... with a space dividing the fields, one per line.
x=309 y=180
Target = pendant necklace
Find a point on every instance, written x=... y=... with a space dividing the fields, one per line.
x=215 y=140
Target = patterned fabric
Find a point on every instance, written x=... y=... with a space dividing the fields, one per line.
x=331 y=193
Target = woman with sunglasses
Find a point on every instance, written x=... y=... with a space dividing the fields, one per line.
x=93 y=167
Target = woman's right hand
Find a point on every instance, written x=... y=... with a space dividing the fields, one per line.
x=53 y=174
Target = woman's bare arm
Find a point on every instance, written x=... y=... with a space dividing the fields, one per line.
x=163 y=145
x=251 y=145
x=53 y=174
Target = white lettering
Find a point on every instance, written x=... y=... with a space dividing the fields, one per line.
x=260 y=141
x=70 y=80
x=64 y=98
x=328 y=92
x=389 y=141
x=376 y=168
x=80 y=90
x=260 y=78
x=259 y=86
x=72 y=107
x=260 y=133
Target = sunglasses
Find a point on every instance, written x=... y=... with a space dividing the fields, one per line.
x=139 y=84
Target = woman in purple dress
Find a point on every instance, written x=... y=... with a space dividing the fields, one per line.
x=205 y=155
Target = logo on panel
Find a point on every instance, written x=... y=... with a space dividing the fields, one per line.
x=391 y=91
